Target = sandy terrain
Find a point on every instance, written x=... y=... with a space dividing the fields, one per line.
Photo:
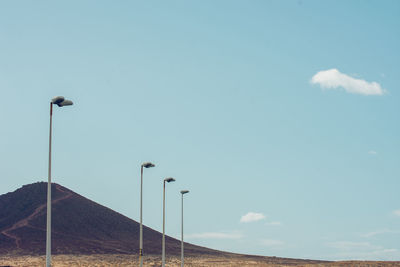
x=152 y=261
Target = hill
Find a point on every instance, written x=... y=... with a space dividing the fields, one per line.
x=79 y=226
x=83 y=227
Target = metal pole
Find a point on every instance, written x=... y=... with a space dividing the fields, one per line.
x=163 y=235
x=48 y=229
x=182 y=256
x=141 y=223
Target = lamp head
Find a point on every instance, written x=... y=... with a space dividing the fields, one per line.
x=65 y=103
x=57 y=100
x=61 y=101
x=184 y=192
x=169 y=179
x=148 y=165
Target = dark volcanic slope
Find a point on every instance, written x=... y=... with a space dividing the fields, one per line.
x=79 y=226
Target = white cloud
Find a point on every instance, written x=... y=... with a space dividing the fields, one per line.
x=348 y=245
x=272 y=243
x=333 y=79
x=252 y=217
x=380 y=232
x=396 y=213
x=273 y=223
x=372 y=152
x=215 y=235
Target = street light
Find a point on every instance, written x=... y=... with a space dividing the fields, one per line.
x=182 y=252
x=168 y=180
x=61 y=102
x=144 y=165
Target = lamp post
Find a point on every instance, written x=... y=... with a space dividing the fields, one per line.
x=61 y=102
x=168 y=180
x=144 y=165
x=182 y=252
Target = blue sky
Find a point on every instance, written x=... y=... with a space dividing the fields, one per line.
x=280 y=117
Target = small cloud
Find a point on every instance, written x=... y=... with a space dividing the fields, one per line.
x=396 y=213
x=215 y=235
x=372 y=152
x=380 y=232
x=273 y=223
x=272 y=243
x=371 y=234
x=252 y=217
x=362 y=251
x=348 y=245
x=334 y=79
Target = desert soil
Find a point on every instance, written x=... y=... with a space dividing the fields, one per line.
x=153 y=261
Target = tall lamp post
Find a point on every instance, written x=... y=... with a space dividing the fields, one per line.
x=144 y=165
x=168 y=180
x=61 y=102
x=182 y=252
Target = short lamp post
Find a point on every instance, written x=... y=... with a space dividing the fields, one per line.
x=61 y=102
x=144 y=165
x=182 y=250
x=168 y=180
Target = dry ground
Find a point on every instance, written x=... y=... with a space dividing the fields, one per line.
x=152 y=261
